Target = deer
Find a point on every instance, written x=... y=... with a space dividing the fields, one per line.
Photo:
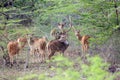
x=57 y=31
x=83 y=40
x=60 y=44
x=37 y=46
x=14 y=48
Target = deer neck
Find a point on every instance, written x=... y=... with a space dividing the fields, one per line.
x=64 y=41
x=30 y=42
x=21 y=44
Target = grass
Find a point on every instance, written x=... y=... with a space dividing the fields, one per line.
x=38 y=69
x=72 y=53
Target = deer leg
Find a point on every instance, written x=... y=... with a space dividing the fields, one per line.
x=83 y=50
x=43 y=56
x=39 y=57
x=83 y=53
x=50 y=55
x=38 y=54
x=33 y=55
x=87 y=44
x=16 y=61
x=31 y=52
x=62 y=53
x=11 y=60
x=87 y=47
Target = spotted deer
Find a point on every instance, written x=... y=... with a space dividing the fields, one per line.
x=37 y=46
x=57 y=31
x=83 y=40
x=60 y=44
x=14 y=47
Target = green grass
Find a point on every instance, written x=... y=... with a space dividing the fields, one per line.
x=63 y=69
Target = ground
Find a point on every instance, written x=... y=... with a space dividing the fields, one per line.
x=7 y=73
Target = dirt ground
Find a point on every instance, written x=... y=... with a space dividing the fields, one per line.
x=7 y=73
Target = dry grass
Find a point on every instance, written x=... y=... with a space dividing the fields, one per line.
x=7 y=73
x=73 y=52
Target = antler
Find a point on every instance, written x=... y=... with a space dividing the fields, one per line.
x=69 y=24
x=73 y=28
x=61 y=26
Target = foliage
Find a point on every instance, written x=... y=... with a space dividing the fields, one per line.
x=64 y=70
x=96 y=70
x=96 y=18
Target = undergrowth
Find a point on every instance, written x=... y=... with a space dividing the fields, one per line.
x=64 y=69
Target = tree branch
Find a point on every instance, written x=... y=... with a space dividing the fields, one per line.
x=117 y=14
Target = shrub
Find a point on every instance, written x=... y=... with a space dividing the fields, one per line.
x=64 y=69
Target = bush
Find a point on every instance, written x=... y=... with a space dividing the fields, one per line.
x=65 y=70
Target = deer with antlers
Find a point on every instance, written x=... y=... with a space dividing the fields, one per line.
x=14 y=47
x=37 y=46
x=60 y=44
x=56 y=32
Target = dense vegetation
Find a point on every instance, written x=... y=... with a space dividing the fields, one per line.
x=65 y=69
x=97 y=18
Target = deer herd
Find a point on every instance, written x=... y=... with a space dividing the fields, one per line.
x=42 y=47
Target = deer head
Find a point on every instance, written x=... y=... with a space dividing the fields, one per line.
x=77 y=32
x=30 y=38
x=61 y=25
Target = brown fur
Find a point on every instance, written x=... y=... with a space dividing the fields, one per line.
x=59 y=45
x=56 y=32
x=37 y=46
x=22 y=41
x=61 y=26
x=83 y=40
x=14 y=47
